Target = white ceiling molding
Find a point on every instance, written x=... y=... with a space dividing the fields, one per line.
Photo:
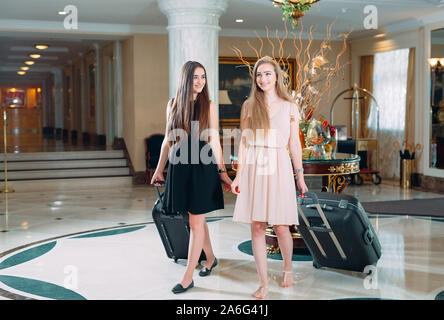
x=116 y=30
x=34 y=50
x=43 y=57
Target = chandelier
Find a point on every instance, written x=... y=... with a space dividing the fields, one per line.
x=293 y=10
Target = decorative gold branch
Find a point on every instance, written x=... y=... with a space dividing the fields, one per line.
x=314 y=74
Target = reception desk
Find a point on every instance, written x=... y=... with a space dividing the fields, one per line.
x=24 y=128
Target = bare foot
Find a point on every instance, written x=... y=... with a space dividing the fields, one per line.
x=261 y=293
x=287 y=279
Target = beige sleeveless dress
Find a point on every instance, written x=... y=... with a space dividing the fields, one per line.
x=268 y=191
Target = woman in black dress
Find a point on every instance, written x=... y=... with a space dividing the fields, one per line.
x=196 y=167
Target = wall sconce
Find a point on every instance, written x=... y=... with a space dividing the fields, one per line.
x=436 y=62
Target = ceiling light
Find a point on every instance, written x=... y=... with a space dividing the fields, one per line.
x=239 y=20
x=41 y=46
x=35 y=55
x=21 y=73
x=62 y=13
x=29 y=63
x=24 y=68
x=381 y=35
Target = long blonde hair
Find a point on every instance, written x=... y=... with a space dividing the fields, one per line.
x=254 y=112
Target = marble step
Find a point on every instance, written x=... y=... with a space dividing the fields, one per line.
x=63 y=164
x=68 y=155
x=65 y=173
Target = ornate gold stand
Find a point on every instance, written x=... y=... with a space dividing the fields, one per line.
x=272 y=241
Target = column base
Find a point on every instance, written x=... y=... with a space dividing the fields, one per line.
x=100 y=140
x=74 y=137
x=65 y=135
x=58 y=133
x=86 y=138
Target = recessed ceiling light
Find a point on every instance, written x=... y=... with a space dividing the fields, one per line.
x=35 y=55
x=239 y=20
x=41 y=46
x=21 y=73
x=62 y=13
x=24 y=68
x=29 y=63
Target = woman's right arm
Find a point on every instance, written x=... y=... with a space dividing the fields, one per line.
x=164 y=151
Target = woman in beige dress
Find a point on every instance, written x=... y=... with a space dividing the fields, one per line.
x=264 y=183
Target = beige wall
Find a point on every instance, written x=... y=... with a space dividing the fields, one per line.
x=128 y=94
x=437 y=51
x=145 y=86
x=145 y=92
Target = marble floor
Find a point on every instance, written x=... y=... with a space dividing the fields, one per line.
x=95 y=239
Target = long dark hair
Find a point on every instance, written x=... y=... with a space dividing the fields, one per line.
x=183 y=108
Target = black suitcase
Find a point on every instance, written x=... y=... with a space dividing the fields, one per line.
x=174 y=230
x=337 y=232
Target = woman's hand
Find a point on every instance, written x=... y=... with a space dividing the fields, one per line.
x=235 y=185
x=157 y=176
x=301 y=183
x=226 y=181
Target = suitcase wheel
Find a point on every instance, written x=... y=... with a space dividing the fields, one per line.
x=358 y=179
x=175 y=259
x=317 y=266
x=376 y=178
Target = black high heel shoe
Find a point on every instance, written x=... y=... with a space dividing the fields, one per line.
x=206 y=272
x=178 y=288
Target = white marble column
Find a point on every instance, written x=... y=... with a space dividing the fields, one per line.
x=98 y=90
x=118 y=132
x=83 y=102
x=58 y=97
x=45 y=102
x=193 y=34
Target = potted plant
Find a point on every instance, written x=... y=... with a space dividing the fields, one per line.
x=293 y=9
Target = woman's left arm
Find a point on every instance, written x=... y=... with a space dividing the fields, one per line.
x=296 y=154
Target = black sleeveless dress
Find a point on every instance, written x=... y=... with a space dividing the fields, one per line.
x=193 y=183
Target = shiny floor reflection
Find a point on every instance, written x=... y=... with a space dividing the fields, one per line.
x=94 y=239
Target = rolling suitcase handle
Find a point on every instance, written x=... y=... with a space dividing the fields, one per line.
x=159 y=196
x=307 y=223
x=327 y=228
